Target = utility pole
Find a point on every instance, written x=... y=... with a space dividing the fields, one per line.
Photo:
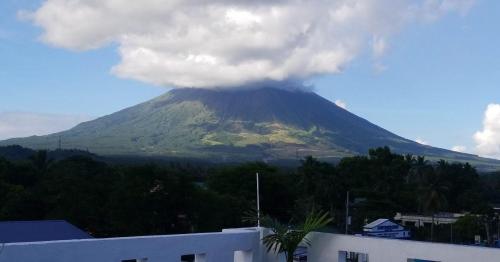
x=451 y=233
x=498 y=229
x=347 y=220
x=258 y=200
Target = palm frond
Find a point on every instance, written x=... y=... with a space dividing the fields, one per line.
x=286 y=239
x=316 y=221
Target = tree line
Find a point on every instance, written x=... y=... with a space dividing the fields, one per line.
x=122 y=200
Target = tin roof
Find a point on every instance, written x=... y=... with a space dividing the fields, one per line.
x=42 y=230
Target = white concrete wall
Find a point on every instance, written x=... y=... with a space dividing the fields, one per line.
x=216 y=247
x=238 y=245
x=326 y=247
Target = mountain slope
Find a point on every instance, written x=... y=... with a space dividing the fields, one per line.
x=264 y=123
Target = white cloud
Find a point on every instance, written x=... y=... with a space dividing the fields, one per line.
x=421 y=141
x=341 y=103
x=22 y=124
x=459 y=148
x=488 y=140
x=379 y=46
x=197 y=43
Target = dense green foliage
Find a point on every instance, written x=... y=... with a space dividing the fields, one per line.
x=117 y=200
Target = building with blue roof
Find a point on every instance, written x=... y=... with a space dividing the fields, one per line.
x=385 y=228
x=42 y=230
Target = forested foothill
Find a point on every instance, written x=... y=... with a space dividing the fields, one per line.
x=123 y=200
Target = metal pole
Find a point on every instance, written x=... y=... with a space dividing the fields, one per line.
x=498 y=229
x=347 y=213
x=258 y=201
x=451 y=232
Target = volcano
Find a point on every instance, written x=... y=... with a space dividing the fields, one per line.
x=234 y=125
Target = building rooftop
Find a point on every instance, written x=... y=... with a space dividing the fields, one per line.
x=376 y=223
x=240 y=245
x=43 y=230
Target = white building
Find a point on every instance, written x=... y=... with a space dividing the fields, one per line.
x=240 y=245
x=421 y=220
x=385 y=228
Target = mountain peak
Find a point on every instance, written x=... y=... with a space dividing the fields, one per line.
x=236 y=124
x=266 y=104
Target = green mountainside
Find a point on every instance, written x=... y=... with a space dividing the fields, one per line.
x=234 y=125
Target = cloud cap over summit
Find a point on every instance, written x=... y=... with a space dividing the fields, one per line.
x=221 y=43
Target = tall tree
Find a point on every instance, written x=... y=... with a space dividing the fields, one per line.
x=41 y=160
x=433 y=193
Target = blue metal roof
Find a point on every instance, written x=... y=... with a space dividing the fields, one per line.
x=376 y=223
x=43 y=230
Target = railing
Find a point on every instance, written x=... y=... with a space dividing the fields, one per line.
x=239 y=245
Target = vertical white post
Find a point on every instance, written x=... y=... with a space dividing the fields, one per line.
x=258 y=201
x=347 y=220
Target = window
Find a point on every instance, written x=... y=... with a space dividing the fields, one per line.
x=349 y=256
x=300 y=254
x=187 y=258
x=193 y=258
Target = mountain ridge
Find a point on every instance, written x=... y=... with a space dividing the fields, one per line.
x=249 y=124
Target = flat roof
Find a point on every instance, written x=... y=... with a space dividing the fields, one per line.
x=39 y=230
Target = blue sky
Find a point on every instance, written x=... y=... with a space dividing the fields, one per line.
x=438 y=80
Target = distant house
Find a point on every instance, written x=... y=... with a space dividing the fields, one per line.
x=300 y=254
x=43 y=230
x=385 y=228
x=421 y=220
x=496 y=207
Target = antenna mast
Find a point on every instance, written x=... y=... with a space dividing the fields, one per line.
x=347 y=218
x=258 y=200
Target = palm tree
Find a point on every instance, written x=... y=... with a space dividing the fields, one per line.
x=41 y=161
x=433 y=194
x=286 y=239
x=419 y=166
